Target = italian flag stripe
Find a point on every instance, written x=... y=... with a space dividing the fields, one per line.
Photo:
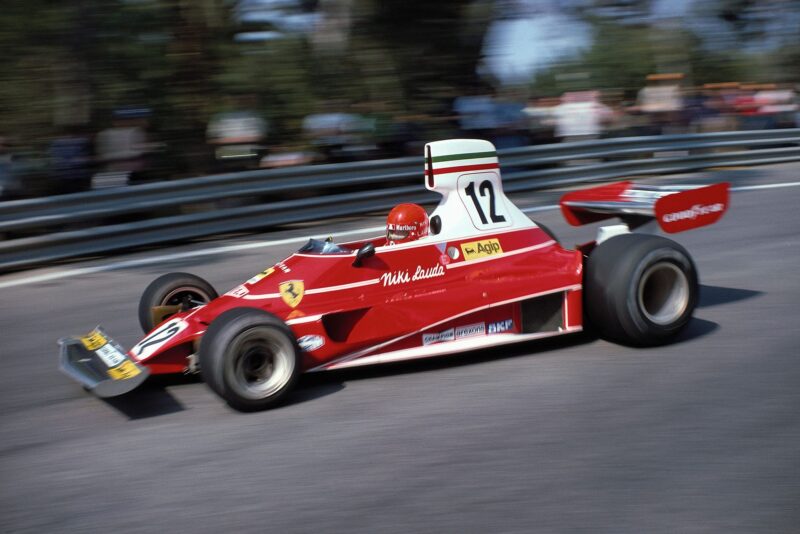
x=472 y=155
x=466 y=168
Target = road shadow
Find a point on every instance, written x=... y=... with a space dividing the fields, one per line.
x=716 y=295
x=311 y=387
x=151 y=399
x=696 y=328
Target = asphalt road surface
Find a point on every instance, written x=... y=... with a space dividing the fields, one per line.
x=571 y=435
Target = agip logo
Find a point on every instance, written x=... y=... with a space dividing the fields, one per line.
x=481 y=249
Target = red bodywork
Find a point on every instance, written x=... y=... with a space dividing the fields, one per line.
x=404 y=302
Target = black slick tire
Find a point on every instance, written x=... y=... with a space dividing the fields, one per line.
x=180 y=290
x=639 y=289
x=250 y=358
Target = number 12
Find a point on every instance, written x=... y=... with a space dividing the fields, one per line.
x=485 y=186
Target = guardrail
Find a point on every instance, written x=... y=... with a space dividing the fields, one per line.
x=267 y=198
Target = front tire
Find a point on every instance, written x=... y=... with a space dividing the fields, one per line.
x=170 y=294
x=249 y=358
x=640 y=289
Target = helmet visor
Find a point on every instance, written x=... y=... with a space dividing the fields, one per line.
x=393 y=234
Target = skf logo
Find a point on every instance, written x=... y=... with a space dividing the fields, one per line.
x=292 y=292
x=501 y=326
x=480 y=249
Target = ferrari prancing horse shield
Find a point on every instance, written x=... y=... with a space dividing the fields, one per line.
x=291 y=292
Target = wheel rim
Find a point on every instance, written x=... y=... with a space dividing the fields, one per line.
x=187 y=297
x=663 y=293
x=262 y=363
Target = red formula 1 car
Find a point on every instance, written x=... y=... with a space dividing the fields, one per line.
x=485 y=275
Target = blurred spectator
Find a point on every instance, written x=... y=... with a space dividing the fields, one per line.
x=476 y=115
x=6 y=176
x=778 y=105
x=580 y=116
x=716 y=113
x=238 y=139
x=286 y=156
x=123 y=148
x=541 y=119
x=23 y=173
x=71 y=161
x=660 y=101
x=339 y=136
x=510 y=124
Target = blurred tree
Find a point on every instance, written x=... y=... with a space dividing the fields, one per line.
x=760 y=44
x=75 y=62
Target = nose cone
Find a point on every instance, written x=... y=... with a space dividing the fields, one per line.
x=169 y=334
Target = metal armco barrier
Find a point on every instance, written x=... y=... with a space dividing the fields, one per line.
x=298 y=194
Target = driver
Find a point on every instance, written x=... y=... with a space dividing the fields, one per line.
x=406 y=222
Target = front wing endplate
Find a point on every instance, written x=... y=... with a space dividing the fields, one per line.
x=100 y=364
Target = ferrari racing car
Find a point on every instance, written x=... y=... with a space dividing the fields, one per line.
x=481 y=274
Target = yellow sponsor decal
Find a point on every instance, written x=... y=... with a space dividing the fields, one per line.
x=261 y=275
x=124 y=371
x=292 y=292
x=93 y=340
x=481 y=249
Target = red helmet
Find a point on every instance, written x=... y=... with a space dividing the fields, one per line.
x=406 y=222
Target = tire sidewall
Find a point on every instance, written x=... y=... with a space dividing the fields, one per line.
x=613 y=273
x=159 y=289
x=218 y=356
x=635 y=321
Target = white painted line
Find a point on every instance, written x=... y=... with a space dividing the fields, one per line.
x=765 y=186
x=540 y=208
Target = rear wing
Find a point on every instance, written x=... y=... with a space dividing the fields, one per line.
x=675 y=208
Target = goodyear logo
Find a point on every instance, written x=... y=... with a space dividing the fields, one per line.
x=438 y=337
x=481 y=249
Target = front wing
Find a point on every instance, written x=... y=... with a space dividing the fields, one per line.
x=100 y=364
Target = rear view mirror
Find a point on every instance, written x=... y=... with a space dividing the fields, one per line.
x=367 y=250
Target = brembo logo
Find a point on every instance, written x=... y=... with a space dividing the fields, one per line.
x=698 y=210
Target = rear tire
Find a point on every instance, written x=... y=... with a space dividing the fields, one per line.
x=181 y=290
x=639 y=289
x=249 y=358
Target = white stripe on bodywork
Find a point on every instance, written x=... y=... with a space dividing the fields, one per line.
x=328 y=289
x=364 y=352
x=307 y=319
x=369 y=282
x=374 y=281
x=446 y=348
